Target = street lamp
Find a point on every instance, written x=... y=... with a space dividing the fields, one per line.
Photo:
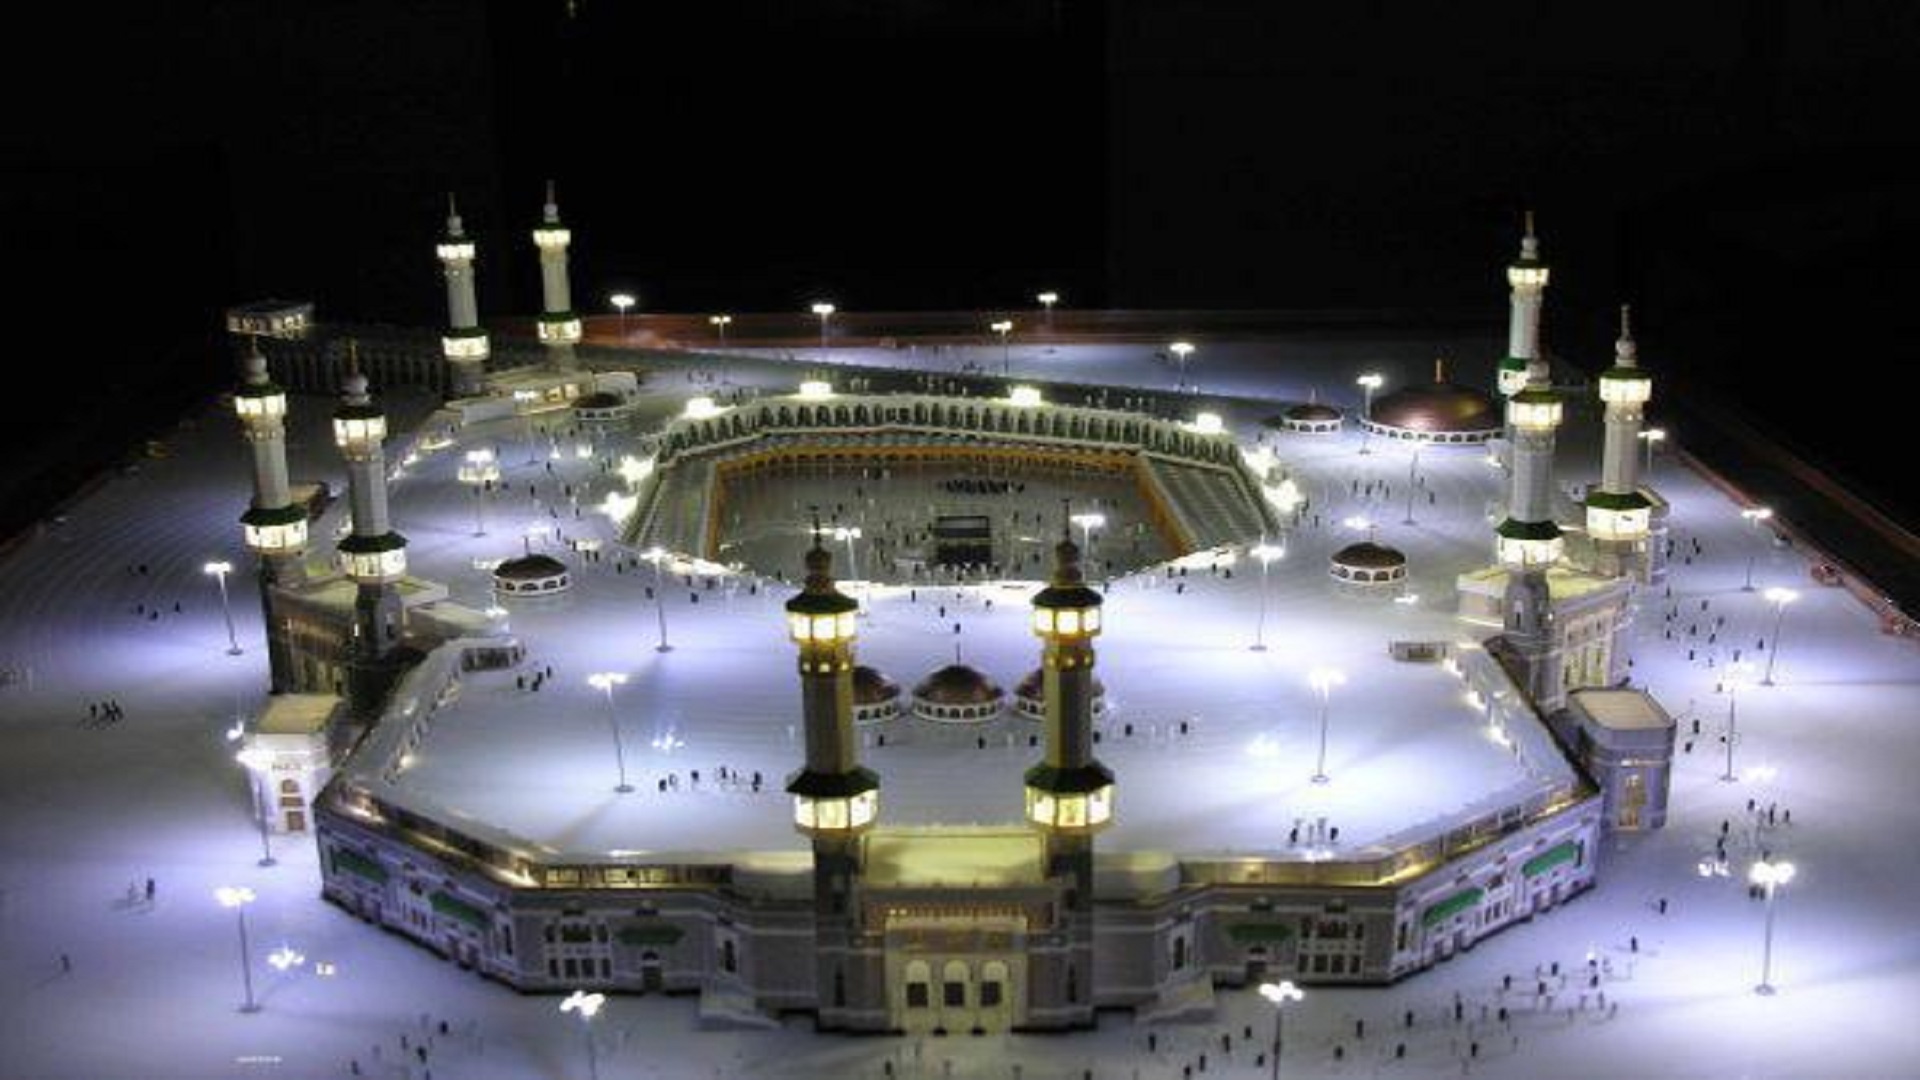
x=1651 y=436
x=720 y=324
x=220 y=570
x=1734 y=673
x=1754 y=515
x=588 y=1006
x=480 y=472
x=1278 y=994
x=259 y=764
x=1047 y=300
x=1770 y=876
x=1004 y=328
x=621 y=302
x=1323 y=681
x=1413 y=470
x=656 y=556
x=237 y=898
x=1779 y=598
x=1266 y=553
x=1181 y=350
x=825 y=311
x=848 y=534
x=1368 y=383
x=1088 y=522
x=604 y=682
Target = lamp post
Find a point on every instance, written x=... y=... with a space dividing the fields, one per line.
x=1413 y=470
x=825 y=311
x=1088 y=522
x=1754 y=515
x=237 y=898
x=1047 y=300
x=220 y=569
x=1266 y=553
x=1323 y=681
x=1769 y=876
x=480 y=472
x=1368 y=383
x=1005 y=329
x=588 y=1006
x=1181 y=350
x=259 y=764
x=1652 y=436
x=1779 y=598
x=525 y=400
x=621 y=302
x=1734 y=673
x=604 y=682
x=847 y=534
x=720 y=324
x=656 y=556
x=1278 y=995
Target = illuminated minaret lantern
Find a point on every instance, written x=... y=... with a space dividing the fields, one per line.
x=1527 y=277
x=1069 y=794
x=372 y=555
x=1529 y=542
x=559 y=326
x=274 y=526
x=465 y=342
x=835 y=799
x=1619 y=515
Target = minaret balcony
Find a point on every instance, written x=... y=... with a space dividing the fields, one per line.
x=374 y=560
x=549 y=238
x=260 y=402
x=1070 y=799
x=464 y=344
x=358 y=429
x=455 y=251
x=1625 y=386
x=559 y=328
x=277 y=531
x=1527 y=274
x=1535 y=410
x=841 y=802
x=1618 y=517
x=1526 y=545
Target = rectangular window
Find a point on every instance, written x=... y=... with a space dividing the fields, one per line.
x=917 y=995
x=989 y=995
x=956 y=995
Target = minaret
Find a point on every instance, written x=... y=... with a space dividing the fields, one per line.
x=559 y=326
x=1619 y=516
x=1069 y=795
x=465 y=342
x=1529 y=540
x=835 y=798
x=1528 y=279
x=374 y=556
x=275 y=528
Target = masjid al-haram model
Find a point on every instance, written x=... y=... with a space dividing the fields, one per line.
x=950 y=682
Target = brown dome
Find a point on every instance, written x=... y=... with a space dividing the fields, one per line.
x=1367 y=555
x=1312 y=411
x=1031 y=686
x=872 y=688
x=1440 y=407
x=958 y=684
x=530 y=568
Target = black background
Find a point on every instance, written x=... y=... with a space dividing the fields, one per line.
x=1740 y=172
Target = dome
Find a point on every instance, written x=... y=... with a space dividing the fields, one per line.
x=958 y=684
x=530 y=568
x=1031 y=686
x=872 y=688
x=1367 y=555
x=1439 y=408
x=1312 y=411
x=599 y=399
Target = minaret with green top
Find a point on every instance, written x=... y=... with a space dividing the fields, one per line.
x=274 y=526
x=1069 y=794
x=372 y=555
x=464 y=344
x=559 y=326
x=1619 y=514
x=1529 y=542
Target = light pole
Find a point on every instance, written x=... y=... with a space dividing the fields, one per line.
x=1005 y=329
x=604 y=682
x=1652 y=436
x=1779 y=598
x=848 y=534
x=220 y=569
x=1047 y=300
x=1323 y=681
x=656 y=556
x=1266 y=553
x=1754 y=515
x=1734 y=673
x=1413 y=470
x=525 y=400
x=1181 y=350
x=237 y=898
x=720 y=324
x=1368 y=383
x=1088 y=522
x=258 y=763
x=480 y=472
x=588 y=1006
x=1769 y=876
x=1278 y=994
x=621 y=302
x=825 y=311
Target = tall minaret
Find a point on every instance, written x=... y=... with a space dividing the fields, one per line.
x=835 y=798
x=559 y=326
x=1528 y=279
x=1529 y=540
x=465 y=342
x=275 y=528
x=1069 y=795
x=1619 y=516
x=374 y=556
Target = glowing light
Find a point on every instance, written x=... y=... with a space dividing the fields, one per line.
x=286 y=957
x=1371 y=381
x=815 y=390
x=1048 y=299
x=1025 y=396
x=618 y=506
x=1771 y=873
x=823 y=309
x=701 y=408
x=622 y=301
x=1181 y=349
x=1757 y=514
x=633 y=470
x=1281 y=992
x=1208 y=423
x=587 y=1005
x=233 y=896
x=218 y=569
x=1778 y=595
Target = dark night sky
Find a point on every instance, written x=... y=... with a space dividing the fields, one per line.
x=1738 y=171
